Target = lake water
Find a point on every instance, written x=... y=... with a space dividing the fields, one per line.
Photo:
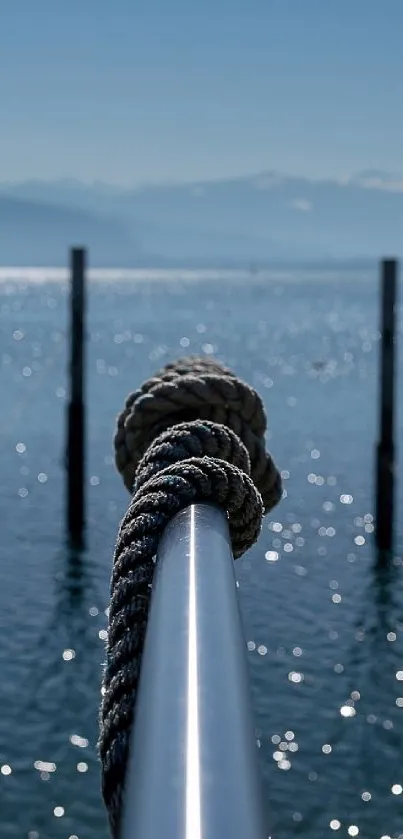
x=324 y=627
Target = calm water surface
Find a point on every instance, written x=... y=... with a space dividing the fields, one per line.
x=324 y=628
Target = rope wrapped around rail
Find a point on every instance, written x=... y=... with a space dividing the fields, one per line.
x=193 y=432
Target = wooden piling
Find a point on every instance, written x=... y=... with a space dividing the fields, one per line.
x=385 y=467
x=75 y=460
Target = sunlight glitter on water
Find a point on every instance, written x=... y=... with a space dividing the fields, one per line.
x=303 y=348
x=76 y=740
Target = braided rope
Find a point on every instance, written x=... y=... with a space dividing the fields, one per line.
x=193 y=432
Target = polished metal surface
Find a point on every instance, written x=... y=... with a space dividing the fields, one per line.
x=193 y=769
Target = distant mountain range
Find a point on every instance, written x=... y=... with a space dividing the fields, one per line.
x=263 y=219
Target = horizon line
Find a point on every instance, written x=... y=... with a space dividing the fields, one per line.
x=277 y=175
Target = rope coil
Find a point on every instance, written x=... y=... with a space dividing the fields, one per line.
x=194 y=432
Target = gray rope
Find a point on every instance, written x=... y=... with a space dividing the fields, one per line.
x=194 y=432
x=195 y=389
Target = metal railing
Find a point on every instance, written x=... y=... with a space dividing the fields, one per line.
x=193 y=769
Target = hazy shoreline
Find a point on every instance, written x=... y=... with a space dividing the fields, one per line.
x=285 y=274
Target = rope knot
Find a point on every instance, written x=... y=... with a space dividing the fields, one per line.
x=196 y=389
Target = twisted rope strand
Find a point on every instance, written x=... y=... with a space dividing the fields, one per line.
x=191 y=433
x=195 y=389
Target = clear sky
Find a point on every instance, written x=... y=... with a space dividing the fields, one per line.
x=136 y=90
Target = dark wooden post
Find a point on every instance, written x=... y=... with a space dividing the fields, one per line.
x=75 y=460
x=385 y=449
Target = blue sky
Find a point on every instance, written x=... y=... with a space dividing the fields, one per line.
x=147 y=90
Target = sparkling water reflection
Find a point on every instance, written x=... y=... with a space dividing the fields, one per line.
x=324 y=628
